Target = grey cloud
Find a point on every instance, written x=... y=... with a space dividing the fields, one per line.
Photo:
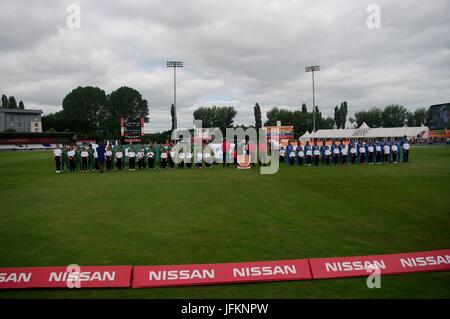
x=235 y=53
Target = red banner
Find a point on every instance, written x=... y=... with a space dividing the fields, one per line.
x=207 y=274
x=65 y=277
x=437 y=260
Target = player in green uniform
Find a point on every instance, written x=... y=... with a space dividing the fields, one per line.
x=157 y=157
x=65 y=160
x=91 y=165
x=78 y=158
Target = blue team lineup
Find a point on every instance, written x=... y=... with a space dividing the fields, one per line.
x=107 y=157
x=353 y=152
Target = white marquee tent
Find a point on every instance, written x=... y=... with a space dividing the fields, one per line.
x=365 y=132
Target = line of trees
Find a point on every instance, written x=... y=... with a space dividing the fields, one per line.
x=92 y=113
x=392 y=116
x=302 y=120
x=11 y=103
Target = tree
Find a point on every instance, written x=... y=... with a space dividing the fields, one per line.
x=343 y=111
x=221 y=117
x=56 y=121
x=394 y=116
x=258 y=117
x=304 y=109
x=337 y=117
x=12 y=104
x=4 y=101
x=83 y=110
x=126 y=102
x=372 y=117
x=301 y=121
x=21 y=105
x=174 y=117
x=420 y=117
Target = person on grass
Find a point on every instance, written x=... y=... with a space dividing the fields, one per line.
x=344 y=153
x=327 y=155
x=394 y=152
x=405 y=148
x=65 y=159
x=84 y=160
x=141 y=158
x=386 y=152
x=353 y=152
x=131 y=159
x=71 y=158
x=300 y=154
x=101 y=157
x=362 y=154
x=57 y=154
x=119 y=159
x=109 y=158
x=151 y=157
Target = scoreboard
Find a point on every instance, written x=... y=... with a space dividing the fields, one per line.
x=132 y=129
x=440 y=116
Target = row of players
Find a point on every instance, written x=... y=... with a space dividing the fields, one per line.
x=89 y=159
x=76 y=158
x=371 y=152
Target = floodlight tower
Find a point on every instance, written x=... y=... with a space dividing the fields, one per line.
x=311 y=69
x=174 y=65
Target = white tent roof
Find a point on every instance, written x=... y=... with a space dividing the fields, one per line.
x=364 y=131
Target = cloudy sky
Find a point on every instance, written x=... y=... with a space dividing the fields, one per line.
x=235 y=53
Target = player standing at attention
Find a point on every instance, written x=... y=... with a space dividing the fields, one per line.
x=316 y=154
x=289 y=149
x=344 y=152
x=207 y=157
x=292 y=157
x=140 y=158
x=323 y=148
x=65 y=160
x=198 y=159
x=282 y=154
x=57 y=153
x=189 y=159
x=109 y=154
x=405 y=151
x=353 y=152
x=71 y=155
x=336 y=154
x=163 y=158
x=84 y=160
x=394 y=153
x=370 y=150
x=327 y=155
x=90 y=158
x=78 y=159
x=182 y=156
x=387 y=152
x=119 y=158
x=362 y=154
x=300 y=154
x=151 y=158
x=131 y=159
x=309 y=153
x=378 y=153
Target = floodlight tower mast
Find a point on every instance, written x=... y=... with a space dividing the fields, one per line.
x=174 y=65
x=312 y=69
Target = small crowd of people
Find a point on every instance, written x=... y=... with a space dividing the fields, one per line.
x=107 y=158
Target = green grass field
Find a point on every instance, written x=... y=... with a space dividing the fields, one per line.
x=226 y=215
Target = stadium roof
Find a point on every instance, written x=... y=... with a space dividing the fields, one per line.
x=364 y=131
